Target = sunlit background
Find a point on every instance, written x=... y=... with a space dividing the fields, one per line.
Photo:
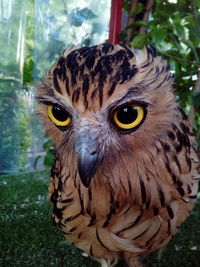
x=33 y=34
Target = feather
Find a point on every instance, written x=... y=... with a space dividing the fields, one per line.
x=139 y=145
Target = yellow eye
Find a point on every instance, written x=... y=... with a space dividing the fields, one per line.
x=58 y=115
x=128 y=117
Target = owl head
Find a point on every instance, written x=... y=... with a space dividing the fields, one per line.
x=106 y=104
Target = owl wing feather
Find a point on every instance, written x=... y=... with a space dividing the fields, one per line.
x=138 y=197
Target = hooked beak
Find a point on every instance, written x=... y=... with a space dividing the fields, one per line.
x=88 y=157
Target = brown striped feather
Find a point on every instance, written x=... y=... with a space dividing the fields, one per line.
x=147 y=183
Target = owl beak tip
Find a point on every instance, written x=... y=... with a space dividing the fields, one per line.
x=87 y=165
x=88 y=156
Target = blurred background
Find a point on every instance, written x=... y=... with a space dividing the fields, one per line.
x=33 y=34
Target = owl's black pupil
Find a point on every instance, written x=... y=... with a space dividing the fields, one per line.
x=127 y=115
x=60 y=113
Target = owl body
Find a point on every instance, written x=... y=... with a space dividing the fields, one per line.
x=127 y=167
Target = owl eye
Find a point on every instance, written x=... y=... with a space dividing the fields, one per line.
x=58 y=115
x=128 y=117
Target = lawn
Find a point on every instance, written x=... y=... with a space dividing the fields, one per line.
x=28 y=237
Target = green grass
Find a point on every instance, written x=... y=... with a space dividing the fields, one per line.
x=28 y=237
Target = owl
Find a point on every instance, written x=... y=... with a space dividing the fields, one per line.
x=126 y=167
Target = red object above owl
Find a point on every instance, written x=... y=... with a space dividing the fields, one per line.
x=115 y=21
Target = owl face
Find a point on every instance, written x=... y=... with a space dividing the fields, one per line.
x=105 y=103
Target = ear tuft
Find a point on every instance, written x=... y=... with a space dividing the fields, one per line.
x=151 y=50
x=141 y=56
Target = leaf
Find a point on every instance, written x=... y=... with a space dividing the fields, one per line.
x=36 y=161
x=30 y=43
x=180 y=30
x=158 y=36
x=140 y=23
x=198 y=19
x=127 y=6
x=193 y=31
x=48 y=145
x=197 y=3
x=188 y=43
x=191 y=45
x=180 y=4
x=48 y=160
x=28 y=71
x=196 y=100
x=139 y=9
x=165 y=10
x=139 y=41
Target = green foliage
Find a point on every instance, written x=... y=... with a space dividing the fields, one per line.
x=15 y=135
x=15 y=132
x=24 y=135
x=139 y=41
x=138 y=10
x=49 y=157
x=50 y=153
x=196 y=100
x=174 y=29
x=28 y=71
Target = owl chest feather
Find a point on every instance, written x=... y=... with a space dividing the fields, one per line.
x=127 y=165
x=141 y=217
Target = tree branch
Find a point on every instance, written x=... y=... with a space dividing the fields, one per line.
x=179 y=59
x=131 y=20
x=146 y=15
